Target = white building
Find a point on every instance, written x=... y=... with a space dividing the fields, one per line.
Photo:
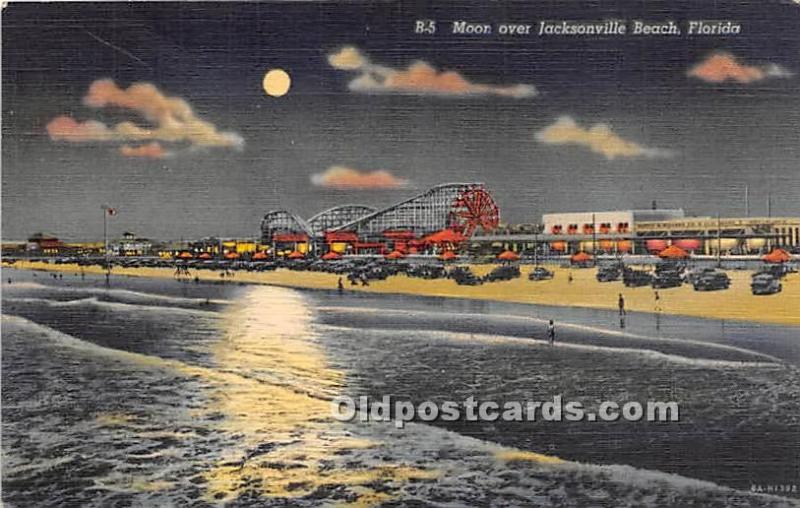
x=622 y=222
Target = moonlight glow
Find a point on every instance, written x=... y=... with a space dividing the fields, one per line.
x=277 y=82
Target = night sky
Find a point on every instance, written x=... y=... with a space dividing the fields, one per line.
x=548 y=123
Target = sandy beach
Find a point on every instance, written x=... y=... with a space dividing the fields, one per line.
x=736 y=303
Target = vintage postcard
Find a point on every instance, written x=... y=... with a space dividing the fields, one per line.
x=389 y=253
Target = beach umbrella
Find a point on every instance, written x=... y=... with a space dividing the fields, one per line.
x=185 y=255
x=204 y=255
x=296 y=254
x=232 y=255
x=777 y=256
x=508 y=256
x=673 y=252
x=331 y=256
x=445 y=236
x=395 y=254
x=581 y=257
x=448 y=255
x=260 y=255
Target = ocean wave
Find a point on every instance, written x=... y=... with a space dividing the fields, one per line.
x=413 y=314
x=123 y=295
x=508 y=339
x=93 y=301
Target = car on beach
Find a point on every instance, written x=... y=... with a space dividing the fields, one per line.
x=664 y=279
x=713 y=281
x=765 y=284
x=500 y=273
x=464 y=276
x=540 y=273
x=636 y=278
x=608 y=274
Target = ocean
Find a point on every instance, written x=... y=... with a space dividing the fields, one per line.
x=164 y=393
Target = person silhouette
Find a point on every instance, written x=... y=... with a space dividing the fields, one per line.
x=551 y=332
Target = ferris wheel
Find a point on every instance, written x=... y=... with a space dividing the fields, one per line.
x=474 y=208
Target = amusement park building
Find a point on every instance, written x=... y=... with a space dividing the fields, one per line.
x=651 y=231
x=463 y=207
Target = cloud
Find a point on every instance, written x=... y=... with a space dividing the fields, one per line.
x=599 y=138
x=169 y=119
x=341 y=177
x=418 y=78
x=152 y=150
x=347 y=59
x=65 y=128
x=721 y=67
x=173 y=117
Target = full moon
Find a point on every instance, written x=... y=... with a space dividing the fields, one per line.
x=277 y=82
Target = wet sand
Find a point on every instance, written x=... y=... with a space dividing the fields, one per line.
x=736 y=303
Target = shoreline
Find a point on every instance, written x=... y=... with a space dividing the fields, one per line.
x=736 y=303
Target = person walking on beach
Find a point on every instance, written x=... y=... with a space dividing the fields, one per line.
x=340 y=286
x=569 y=277
x=621 y=303
x=551 y=332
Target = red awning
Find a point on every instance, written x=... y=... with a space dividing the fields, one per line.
x=296 y=255
x=673 y=252
x=508 y=256
x=448 y=255
x=289 y=237
x=340 y=236
x=777 y=256
x=445 y=236
x=260 y=255
x=330 y=256
x=581 y=257
x=395 y=254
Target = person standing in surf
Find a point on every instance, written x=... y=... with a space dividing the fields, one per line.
x=551 y=332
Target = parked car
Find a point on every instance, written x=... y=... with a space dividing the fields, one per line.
x=667 y=279
x=540 y=273
x=464 y=276
x=506 y=272
x=636 y=278
x=608 y=274
x=712 y=282
x=777 y=270
x=765 y=284
x=691 y=276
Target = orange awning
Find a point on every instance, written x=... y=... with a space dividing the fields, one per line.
x=777 y=256
x=296 y=254
x=448 y=255
x=673 y=252
x=205 y=255
x=581 y=257
x=508 y=256
x=260 y=255
x=395 y=254
x=232 y=255
x=330 y=256
x=185 y=255
x=445 y=236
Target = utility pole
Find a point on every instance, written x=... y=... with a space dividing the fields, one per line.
x=107 y=211
x=747 y=201
x=719 y=242
x=769 y=204
x=594 y=238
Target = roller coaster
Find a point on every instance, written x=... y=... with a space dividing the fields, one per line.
x=466 y=208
